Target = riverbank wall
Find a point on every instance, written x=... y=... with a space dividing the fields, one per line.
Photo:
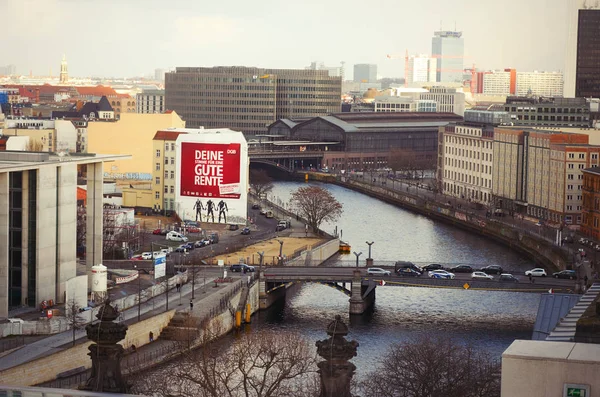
x=541 y=251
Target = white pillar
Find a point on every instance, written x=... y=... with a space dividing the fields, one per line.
x=94 y=215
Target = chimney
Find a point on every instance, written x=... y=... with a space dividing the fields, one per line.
x=37 y=95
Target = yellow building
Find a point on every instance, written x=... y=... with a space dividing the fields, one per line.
x=133 y=135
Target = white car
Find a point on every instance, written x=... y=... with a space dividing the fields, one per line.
x=176 y=236
x=441 y=274
x=537 y=272
x=481 y=276
x=377 y=271
x=146 y=255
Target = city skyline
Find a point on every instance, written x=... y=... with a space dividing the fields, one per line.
x=138 y=40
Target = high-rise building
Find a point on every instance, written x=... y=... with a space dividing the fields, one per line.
x=499 y=82
x=540 y=83
x=365 y=73
x=8 y=70
x=422 y=69
x=448 y=48
x=583 y=46
x=64 y=73
x=249 y=99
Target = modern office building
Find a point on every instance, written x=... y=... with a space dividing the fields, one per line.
x=587 y=78
x=403 y=104
x=499 y=82
x=365 y=73
x=448 y=48
x=249 y=99
x=38 y=225
x=547 y=84
x=422 y=69
x=553 y=112
x=151 y=101
x=449 y=100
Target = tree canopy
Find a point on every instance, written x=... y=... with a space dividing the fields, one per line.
x=316 y=205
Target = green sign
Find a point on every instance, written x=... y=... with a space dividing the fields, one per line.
x=576 y=390
x=573 y=392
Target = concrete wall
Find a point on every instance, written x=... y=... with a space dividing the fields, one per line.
x=46 y=266
x=4 y=247
x=541 y=368
x=46 y=368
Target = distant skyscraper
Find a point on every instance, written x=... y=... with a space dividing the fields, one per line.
x=448 y=48
x=587 y=78
x=64 y=73
x=422 y=69
x=365 y=73
x=159 y=74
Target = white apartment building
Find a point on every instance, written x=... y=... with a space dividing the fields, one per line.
x=421 y=69
x=152 y=101
x=539 y=83
x=449 y=100
x=465 y=163
x=496 y=83
x=403 y=104
x=49 y=135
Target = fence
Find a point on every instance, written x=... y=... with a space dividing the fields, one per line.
x=11 y=343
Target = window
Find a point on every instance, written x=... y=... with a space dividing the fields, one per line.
x=582 y=156
x=594 y=156
x=571 y=155
x=570 y=176
x=158 y=153
x=172 y=174
x=157 y=166
x=158 y=180
x=569 y=187
x=166 y=161
x=157 y=195
x=172 y=160
x=166 y=189
x=166 y=147
x=172 y=189
x=172 y=146
x=166 y=174
x=571 y=166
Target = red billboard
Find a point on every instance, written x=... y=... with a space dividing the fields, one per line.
x=210 y=170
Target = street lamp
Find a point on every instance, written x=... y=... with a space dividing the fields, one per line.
x=139 y=292
x=370 y=244
x=280 y=251
x=357 y=255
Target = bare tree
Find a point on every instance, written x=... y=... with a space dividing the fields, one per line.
x=265 y=364
x=316 y=205
x=260 y=182
x=34 y=145
x=434 y=366
x=72 y=311
x=412 y=163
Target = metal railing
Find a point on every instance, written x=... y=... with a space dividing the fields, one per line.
x=11 y=343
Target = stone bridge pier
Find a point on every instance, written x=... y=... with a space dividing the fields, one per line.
x=362 y=296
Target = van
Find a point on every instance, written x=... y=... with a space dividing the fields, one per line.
x=176 y=236
x=407 y=265
x=269 y=214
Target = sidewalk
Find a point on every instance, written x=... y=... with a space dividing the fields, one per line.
x=64 y=340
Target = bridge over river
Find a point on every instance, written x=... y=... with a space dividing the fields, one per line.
x=361 y=287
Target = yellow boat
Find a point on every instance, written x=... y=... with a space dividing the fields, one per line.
x=344 y=248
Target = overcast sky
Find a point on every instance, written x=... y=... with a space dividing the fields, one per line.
x=133 y=37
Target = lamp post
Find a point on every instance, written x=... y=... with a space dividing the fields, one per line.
x=357 y=255
x=369 y=259
x=193 y=277
x=139 y=292
x=280 y=251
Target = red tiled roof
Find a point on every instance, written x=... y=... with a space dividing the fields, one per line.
x=81 y=194
x=98 y=90
x=166 y=135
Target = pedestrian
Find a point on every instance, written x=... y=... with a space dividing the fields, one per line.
x=191 y=305
x=585 y=279
x=530 y=278
x=177 y=286
x=151 y=336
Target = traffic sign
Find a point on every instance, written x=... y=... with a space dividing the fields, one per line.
x=576 y=390
x=466 y=286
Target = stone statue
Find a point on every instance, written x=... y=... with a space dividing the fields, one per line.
x=336 y=371
x=106 y=353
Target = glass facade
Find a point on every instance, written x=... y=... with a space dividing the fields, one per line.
x=15 y=240
x=587 y=83
x=448 y=48
x=32 y=238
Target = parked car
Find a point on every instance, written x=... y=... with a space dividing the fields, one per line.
x=269 y=214
x=263 y=211
x=377 y=271
x=146 y=255
x=241 y=267
x=233 y=226
x=189 y=246
x=462 y=269
x=181 y=248
x=407 y=272
x=246 y=231
x=166 y=251
x=492 y=269
x=214 y=238
x=279 y=227
x=441 y=274
x=508 y=278
x=136 y=258
x=537 y=272
x=193 y=229
x=199 y=244
x=176 y=236
x=432 y=266
x=568 y=274
x=481 y=276
x=255 y=206
x=160 y=232
x=568 y=240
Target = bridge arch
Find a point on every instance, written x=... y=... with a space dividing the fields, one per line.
x=271 y=163
x=330 y=284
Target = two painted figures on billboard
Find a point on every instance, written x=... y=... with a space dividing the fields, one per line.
x=210 y=207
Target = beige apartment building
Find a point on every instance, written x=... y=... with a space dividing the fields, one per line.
x=133 y=134
x=465 y=163
x=163 y=171
x=539 y=173
x=47 y=135
x=249 y=99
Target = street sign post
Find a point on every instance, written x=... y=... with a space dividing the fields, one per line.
x=576 y=390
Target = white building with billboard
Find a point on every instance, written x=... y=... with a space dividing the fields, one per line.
x=212 y=176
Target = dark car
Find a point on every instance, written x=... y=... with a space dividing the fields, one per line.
x=255 y=206
x=407 y=272
x=492 y=269
x=279 y=227
x=241 y=267
x=462 y=269
x=189 y=246
x=568 y=240
x=432 y=266
x=246 y=230
x=214 y=238
x=233 y=227
x=569 y=274
x=508 y=278
x=406 y=265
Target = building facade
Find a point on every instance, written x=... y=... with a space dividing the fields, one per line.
x=249 y=99
x=163 y=172
x=152 y=101
x=422 y=69
x=448 y=48
x=403 y=104
x=547 y=84
x=554 y=112
x=449 y=100
x=590 y=213
x=499 y=82
x=365 y=73
x=587 y=80
x=48 y=135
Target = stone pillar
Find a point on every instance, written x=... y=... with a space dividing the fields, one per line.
x=47 y=233
x=67 y=227
x=106 y=353
x=357 y=304
x=336 y=371
x=369 y=262
x=4 y=247
x=94 y=216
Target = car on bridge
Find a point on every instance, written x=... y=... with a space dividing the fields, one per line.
x=407 y=272
x=481 y=276
x=462 y=269
x=537 y=272
x=377 y=271
x=568 y=274
x=432 y=266
x=241 y=267
x=407 y=265
x=441 y=274
x=492 y=269
x=508 y=278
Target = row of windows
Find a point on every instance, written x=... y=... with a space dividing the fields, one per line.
x=171 y=188
x=465 y=192
x=467 y=178
x=544 y=110
x=470 y=154
x=469 y=142
x=467 y=165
